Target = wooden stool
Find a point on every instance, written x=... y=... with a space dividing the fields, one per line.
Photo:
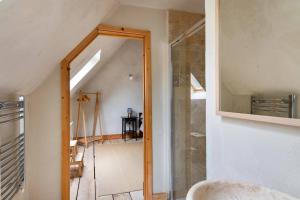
x=73 y=149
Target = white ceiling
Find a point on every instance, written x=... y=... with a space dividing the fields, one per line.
x=35 y=35
x=195 y=6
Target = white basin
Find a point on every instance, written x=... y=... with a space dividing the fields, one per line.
x=221 y=190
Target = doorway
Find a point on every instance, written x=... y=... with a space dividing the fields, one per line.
x=66 y=67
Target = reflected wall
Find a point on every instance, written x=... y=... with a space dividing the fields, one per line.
x=259 y=57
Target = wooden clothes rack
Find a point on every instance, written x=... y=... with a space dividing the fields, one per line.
x=84 y=98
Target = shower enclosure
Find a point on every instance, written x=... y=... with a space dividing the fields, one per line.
x=188 y=110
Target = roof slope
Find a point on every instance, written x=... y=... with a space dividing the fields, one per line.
x=35 y=36
x=260 y=48
x=195 y=6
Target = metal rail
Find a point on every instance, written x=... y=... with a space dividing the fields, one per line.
x=195 y=28
x=12 y=153
x=12 y=167
x=274 y=106
x=11 y=111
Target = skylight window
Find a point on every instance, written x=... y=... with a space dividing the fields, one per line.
x=85 y=70
x=195 y=84
x=197 y=91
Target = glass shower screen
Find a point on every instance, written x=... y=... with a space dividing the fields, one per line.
x=188 y=113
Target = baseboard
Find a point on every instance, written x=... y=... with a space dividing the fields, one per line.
x=104 y=137
x=160 y=196
x=111 y=137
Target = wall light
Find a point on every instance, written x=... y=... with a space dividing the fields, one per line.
x=130 y=77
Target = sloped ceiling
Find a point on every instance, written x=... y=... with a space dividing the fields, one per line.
x=260 y=47
x=195 y=6
x=35 y=35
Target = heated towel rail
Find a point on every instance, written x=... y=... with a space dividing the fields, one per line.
x=12 y=153
x=284 y=106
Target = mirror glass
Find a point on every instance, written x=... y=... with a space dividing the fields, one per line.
x=260 y=57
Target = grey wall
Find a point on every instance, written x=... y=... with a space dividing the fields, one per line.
x=117 y=92
x=246 y=151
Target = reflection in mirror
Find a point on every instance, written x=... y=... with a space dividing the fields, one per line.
x=259 y=57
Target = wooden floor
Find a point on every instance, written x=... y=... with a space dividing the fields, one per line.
x=134 y=195
x=84 y=188
x=119 y=172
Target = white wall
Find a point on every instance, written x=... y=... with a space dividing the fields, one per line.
x=117 y=92
x=52 y=30
x=43 y=141
x=156 y=22
x=247 y=151
x=44 y=135
x=43 y=129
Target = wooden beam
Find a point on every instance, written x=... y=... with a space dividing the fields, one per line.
x=65 y=131
x=81 y=46
x=121 y=32
x=148 y=188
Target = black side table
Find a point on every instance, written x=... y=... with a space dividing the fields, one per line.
x=132 y=123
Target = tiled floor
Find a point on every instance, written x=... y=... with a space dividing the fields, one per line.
x=135 y=195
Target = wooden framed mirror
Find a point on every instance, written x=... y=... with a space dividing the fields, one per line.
x=258 y=60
